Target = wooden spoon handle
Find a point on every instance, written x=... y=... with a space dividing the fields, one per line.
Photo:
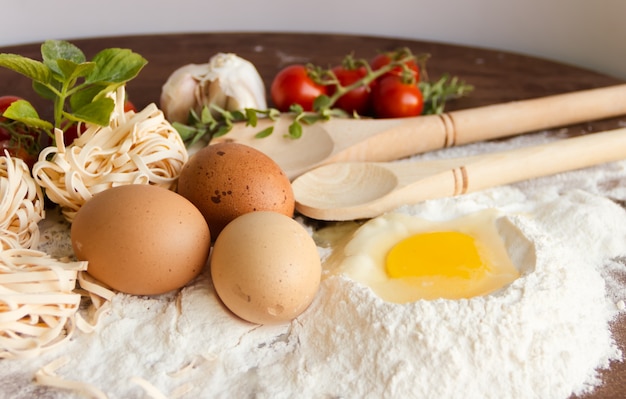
x=431 y=132
x=520 y=164
x=517 y=117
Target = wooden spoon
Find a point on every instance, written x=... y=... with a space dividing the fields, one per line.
x=390 y=139
x=357 y=190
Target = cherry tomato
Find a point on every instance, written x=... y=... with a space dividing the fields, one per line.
x=383 y=59
x=129 y=106
x=18 y=139
x=17 y=152
x=4 y=134
x=293 y=85
x=70 y=134
x=394 y=98
x=356 y=100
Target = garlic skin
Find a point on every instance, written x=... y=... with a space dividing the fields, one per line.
x=227 y=80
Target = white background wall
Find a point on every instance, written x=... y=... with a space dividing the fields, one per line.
x=587 y=33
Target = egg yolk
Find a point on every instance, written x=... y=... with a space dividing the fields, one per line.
x=444 y=253
x=443 y=264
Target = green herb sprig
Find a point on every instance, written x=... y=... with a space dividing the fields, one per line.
x=77 y=87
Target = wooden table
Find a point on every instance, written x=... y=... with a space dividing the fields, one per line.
x=497 y=76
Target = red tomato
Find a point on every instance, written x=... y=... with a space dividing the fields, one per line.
x=384 y=59
x=129 y=106
x=356 y=100
x=393 y=98
x=71 y=133
x=4 y=134
x=19 y=140
x=18 y=152
x=293 y=85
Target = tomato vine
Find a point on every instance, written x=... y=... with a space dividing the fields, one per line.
x=408 y=69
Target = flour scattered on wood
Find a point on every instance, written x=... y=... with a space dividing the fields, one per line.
x=546 y=335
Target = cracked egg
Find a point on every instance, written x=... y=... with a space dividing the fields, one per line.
x=404 y=258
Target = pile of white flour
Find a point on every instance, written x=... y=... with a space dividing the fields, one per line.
x=544 y=336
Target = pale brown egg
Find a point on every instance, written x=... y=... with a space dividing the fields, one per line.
x=226 y=180
x=265 y=267
x=141 y=239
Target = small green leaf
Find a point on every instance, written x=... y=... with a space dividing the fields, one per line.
x=310 y=119
x=54 y=50
x=321 y=102
x=185 y=132
x=46 y=91
x=32 y=69
x=222 y=130
x=19 y=110
x=295 y=130
x=273 y=113
x=23 y=111
x=296 y=108
x=71 y=70
x=227 y=115
x=116 y=65
x=264 y=133
x=238 y=116
x=86 y=95
x=251 y=117
x=206 y=116
x=97 y=111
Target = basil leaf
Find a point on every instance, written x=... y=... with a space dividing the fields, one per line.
x=71 y=70
x=32 y=69
x=97 y=111
x=86 y=95
x=46 y=91
x=54 y=50
x=23 y=111
x=115 y=65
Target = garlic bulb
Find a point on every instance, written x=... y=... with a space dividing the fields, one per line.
x=227 y=80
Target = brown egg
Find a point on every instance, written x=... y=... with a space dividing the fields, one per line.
x=141 y=239
x=265 y=267
x=226 y=180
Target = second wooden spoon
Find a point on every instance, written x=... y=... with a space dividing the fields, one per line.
x=358 y=190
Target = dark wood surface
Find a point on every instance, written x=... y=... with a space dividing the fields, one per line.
x=498 y=76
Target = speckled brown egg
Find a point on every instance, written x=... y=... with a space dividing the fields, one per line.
x=265 y=267
x=226 y=180
x=141 y=239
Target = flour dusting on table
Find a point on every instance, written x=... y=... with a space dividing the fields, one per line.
x=546 y=335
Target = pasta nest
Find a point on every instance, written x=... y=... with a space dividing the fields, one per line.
x=37 y=301
x=136 y=148
x=21 y=205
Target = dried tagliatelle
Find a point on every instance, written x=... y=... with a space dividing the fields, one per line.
x=38 y=304
x=21 y=205
x=136 y=148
